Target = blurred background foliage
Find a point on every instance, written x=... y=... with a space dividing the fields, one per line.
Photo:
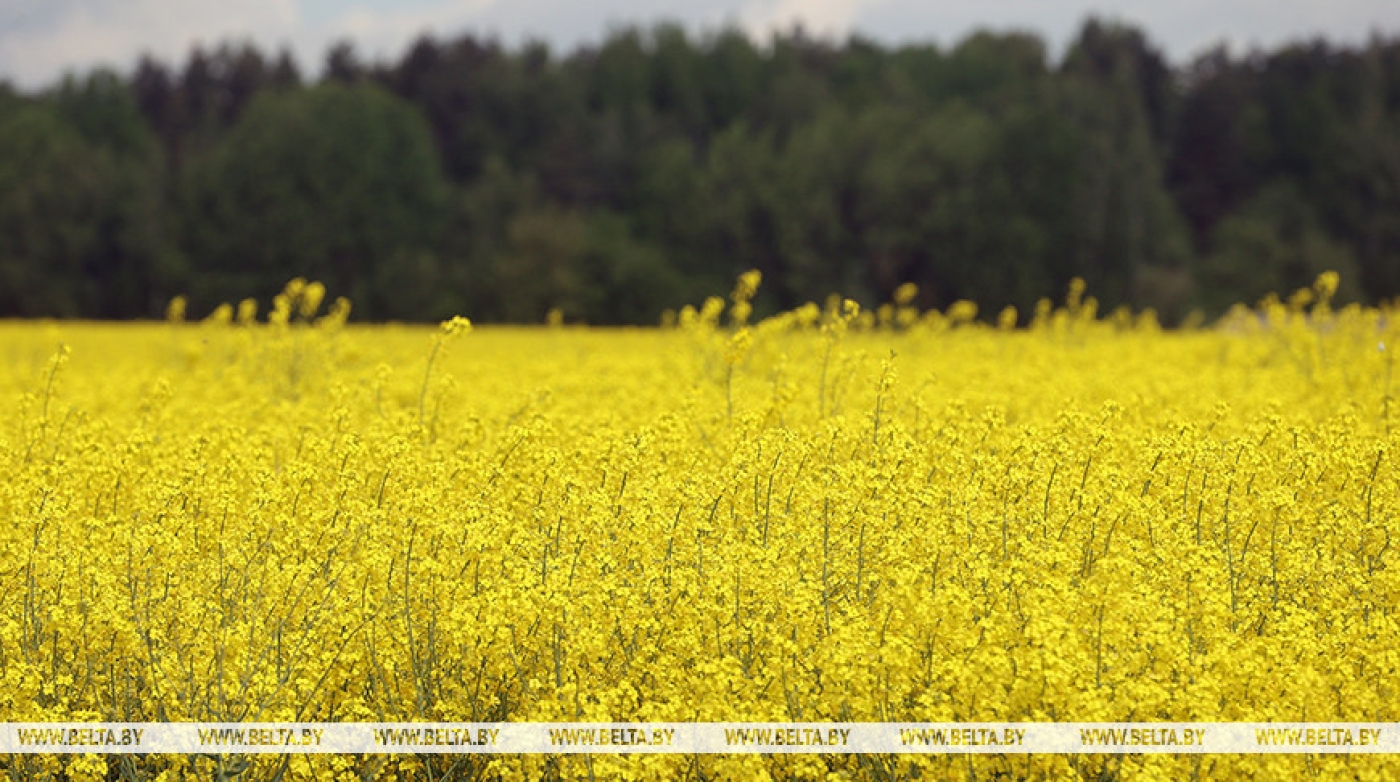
x=650 y=170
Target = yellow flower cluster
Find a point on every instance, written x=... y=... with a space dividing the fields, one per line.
x=822 y=516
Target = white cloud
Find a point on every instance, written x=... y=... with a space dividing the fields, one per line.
x=383 y=34
x=1189 y=27
x=83 y=35
x=1182 y=28
x=818 y=18
x=40 y=39
x=80 y=34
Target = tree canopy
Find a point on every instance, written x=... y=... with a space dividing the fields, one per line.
x=621 y=179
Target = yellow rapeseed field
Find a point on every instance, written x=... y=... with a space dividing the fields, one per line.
x=830 y=515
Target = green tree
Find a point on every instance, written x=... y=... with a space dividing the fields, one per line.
x=1127 y=229
x=1220 y=143
x=477 y=235
x=589 y=266
x=139 y=264
x=79 y=206
x=738 y=224
x=341 y=183
x=1357 y=185
x=1273 y=243
x=952 y=206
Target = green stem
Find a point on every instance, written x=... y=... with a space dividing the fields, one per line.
x=427 y=372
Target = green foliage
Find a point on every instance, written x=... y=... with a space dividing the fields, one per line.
x=336 y=182
x=1273 y=243
x=650 y=170
x=589 y=267
x=80 y=232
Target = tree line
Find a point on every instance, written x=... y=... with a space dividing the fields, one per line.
x=649 y=170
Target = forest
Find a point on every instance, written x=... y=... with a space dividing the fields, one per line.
x=625 y=178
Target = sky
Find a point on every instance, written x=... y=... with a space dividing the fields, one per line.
x=41 y=40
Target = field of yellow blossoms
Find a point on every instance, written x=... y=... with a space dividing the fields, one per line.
x=830 y=515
